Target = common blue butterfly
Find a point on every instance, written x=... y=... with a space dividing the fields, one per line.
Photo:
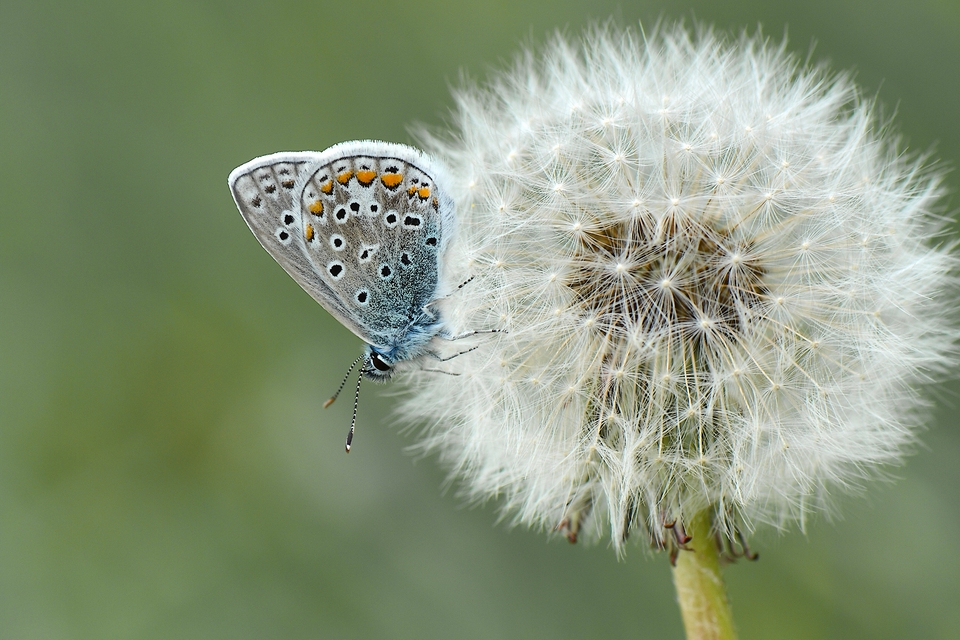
x=363 y=227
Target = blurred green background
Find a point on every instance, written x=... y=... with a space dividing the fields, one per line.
x=165 y=468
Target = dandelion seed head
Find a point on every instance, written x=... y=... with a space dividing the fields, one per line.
x=703 y=300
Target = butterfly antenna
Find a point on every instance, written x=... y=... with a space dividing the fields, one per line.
x=343 y=382
x=353 y=423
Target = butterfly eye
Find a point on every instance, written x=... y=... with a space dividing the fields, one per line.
x=378 y=362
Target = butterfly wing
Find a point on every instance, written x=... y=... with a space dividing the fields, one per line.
x=264 y=190
x=362 y=227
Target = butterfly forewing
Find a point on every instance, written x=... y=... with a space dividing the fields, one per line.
x=264 y=190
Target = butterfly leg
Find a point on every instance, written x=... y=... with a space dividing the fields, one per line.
x=447 y=373
x=465 y=283
x=445 y=359
x=461 y=286
x=442 y=359
x=467 y=334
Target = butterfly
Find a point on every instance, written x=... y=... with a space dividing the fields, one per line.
x=364 y=228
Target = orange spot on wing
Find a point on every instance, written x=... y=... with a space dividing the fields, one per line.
x=366 y=177
x=412 y=190
x=423 y=193
x=309 y=233
x=327 y=188
x=391 y=180
x=344 y=177
x=436 y=203
x=317 y=207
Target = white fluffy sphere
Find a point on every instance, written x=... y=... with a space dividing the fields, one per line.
x=717 y=274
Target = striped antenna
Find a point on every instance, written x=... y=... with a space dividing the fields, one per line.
x=342 y=382
x=356 y=401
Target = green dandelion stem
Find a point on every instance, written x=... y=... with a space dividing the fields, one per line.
x=700 y=588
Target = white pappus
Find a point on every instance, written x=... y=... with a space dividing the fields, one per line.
x=718 y=275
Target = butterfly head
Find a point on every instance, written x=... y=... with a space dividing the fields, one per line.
x=377 y=366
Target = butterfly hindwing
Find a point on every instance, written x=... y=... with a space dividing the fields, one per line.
x=374 y=234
